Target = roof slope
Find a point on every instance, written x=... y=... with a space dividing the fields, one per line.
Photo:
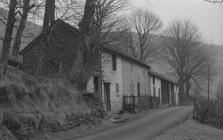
x=162 y=76
x=111 y=49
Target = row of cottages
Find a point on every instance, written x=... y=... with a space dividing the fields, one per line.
x=164 y=89
x=119 y=81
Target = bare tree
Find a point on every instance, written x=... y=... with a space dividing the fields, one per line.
x=185 y=53
x=48 y=20
x=107 y=21
x=24 y=15
x=98 y=27
x=147 y=26
x=21 y=11
x=8 y=33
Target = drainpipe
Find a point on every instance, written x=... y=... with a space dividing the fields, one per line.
x=101 y=79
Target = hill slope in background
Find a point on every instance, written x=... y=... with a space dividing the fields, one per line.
x=161 y=66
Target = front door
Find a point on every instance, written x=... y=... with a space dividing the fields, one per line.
x=107 y=96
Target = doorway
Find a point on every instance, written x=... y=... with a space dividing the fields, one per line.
x=107 y=96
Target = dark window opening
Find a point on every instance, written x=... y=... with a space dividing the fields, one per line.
x=138 y=88
x=96 y=82
x=154 y=79
x=117 y=87
x=114 y=64
x=154 y=91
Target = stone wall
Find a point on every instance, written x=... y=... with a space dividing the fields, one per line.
x=134 y=75
x=157 y=86
x=176 y=91
x=115 y=80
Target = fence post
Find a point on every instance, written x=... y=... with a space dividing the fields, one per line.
x=195 y=108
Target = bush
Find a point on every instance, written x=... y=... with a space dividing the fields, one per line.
x=30 y=105
x=210 y=112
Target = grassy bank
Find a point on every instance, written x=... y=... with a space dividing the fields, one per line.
x=191 y=130
x=30 y=106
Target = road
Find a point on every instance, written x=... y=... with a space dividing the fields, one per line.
x=145 y=127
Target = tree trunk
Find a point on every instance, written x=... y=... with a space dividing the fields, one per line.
x=8 y=31
x=80 y=74
x=181 y=90
x=187 y=86
x=17 y=42
x=52 y=12
x=49 y=16
x=46 y=19
x=8 y=34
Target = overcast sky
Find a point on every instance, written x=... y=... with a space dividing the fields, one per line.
x=207 y=16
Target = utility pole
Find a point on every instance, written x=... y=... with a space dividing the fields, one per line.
x=208 y=82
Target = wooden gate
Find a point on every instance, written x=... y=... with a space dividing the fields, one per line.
x=131 y=104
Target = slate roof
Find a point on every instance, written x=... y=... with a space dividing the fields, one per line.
x=110 y=49
x=156 y=74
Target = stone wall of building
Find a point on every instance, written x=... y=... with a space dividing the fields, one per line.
x=115 y=80
x=155 y=85
x=176 y=91
x=134 y=75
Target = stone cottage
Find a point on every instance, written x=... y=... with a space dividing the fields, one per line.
x=116 y=77
x=163 y=88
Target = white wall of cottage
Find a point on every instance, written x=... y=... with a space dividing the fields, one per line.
x=176 y=91
x=114 y=78
x=132 y=75
x=90 y=85
x=127 y=76
x=157 y=86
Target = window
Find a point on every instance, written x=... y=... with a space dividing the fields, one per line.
x=96 y=87
x=154 y=79
x=114 y=64
x=117 y=87
x=138 y=88
x=154 y=91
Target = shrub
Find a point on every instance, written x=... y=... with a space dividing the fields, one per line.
x=210 y=112
x=30 y=105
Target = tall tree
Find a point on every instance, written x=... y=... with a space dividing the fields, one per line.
x=147 y=26
x=8 y=33
x=184 y=53
x=21 y=12
x=24 y=15
x=98 y=26
x=48 y=20
x=107 y=21
x=80 y=73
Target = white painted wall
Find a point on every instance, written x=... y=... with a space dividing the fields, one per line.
x=90 y=85
x=157 y=86
x=132 y=74
x=176 y=91
x=113 y=77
